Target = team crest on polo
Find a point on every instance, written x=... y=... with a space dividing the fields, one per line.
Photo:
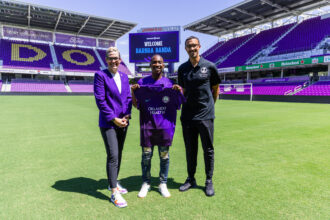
x=203 y=72
x=165 y=99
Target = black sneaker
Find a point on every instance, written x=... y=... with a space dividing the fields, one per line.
x=190 y=183
x=209 y=190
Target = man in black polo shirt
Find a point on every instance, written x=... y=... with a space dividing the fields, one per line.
x=200 y=82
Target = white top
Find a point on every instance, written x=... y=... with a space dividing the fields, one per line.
x=117 y=79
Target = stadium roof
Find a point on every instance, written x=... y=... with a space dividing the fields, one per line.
x=250 y=13
x=51 y=19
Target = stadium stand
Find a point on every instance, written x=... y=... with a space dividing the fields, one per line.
x=286 y=79
x=298 y=78
x=81 y=86
x=299 y=45
x=16 y=54
x=42 y=51
x=267 y=86
x=20 y=55
x=257 y=43
x=234 y=90
x=324 y=78
x=213 y=48
x=304 y=37
x=0 y=85
x=77 y=59
x=275 y=88
x=233 y=81
x=226 y=48
x=122 y=67
x=262 y=88
x=31 y=85
x=321 y=88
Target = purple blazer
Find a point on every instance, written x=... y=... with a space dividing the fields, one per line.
x=110 y=102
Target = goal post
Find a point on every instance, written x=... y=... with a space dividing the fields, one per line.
x=237 y=89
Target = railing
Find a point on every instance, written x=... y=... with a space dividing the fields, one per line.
x=271 y=47
x=297 y=87
x=211 y=50
x=223 y=58
x=288 y=92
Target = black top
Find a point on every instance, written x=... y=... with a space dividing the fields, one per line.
x=197 y=82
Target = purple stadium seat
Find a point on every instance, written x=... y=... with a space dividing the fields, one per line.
x=122 y=67
x=17 y=54
x=262 y=88
x=29 y=85
x=304 y=37
x=77 y=59
x=321 y=88
x=213 y=48
x=259 y=42
x=226 y=47
x=81 y=86
x=274 y=88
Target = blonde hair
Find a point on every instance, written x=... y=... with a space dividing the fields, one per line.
x=112 y=50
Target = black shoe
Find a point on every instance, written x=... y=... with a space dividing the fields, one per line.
x=209 y=190
x=190 y=183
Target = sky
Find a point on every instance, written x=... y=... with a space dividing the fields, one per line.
x=147 y=13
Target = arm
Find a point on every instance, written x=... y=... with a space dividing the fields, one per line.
x=215 y=81
x=128 y=101
x=100 y=99
x=180 y=80
x=215 y=92
x=133 y=88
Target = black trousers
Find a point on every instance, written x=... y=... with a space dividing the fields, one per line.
x=114 y=139
x=191 y=131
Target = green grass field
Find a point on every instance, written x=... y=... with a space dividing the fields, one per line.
x=272 y=161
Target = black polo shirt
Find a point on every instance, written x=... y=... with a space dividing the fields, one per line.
x=197 y=82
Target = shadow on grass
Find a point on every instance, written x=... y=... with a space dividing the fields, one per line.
x=83 y=185
x=91 y=187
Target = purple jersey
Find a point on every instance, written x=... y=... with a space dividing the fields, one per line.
x=158 y=108
x=165 y=82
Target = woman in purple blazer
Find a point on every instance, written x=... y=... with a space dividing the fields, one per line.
x=113 y=98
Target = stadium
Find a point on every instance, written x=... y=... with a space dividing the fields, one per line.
x=271 y=129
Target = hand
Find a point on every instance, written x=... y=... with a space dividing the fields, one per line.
x=134 y=87
x=177 y=87
x=120 y=122
x=127 y=117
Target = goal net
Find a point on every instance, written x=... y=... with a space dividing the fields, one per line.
x=237 y=89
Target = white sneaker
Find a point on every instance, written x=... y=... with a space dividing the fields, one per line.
x=144 y=190
x=120 y=188
x=163 y=190
x=118 y=200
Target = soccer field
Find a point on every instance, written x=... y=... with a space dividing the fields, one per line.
x=272 y=161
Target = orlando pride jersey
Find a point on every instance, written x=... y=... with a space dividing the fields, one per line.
x=158 y=106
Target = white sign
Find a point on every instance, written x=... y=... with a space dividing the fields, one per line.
x=18 y=71
x=159 y=29
x=226 y=70
x=327 y=59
